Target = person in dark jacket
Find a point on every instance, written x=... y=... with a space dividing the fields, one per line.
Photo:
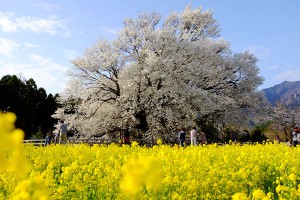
x=126 y=137
x=181 y=137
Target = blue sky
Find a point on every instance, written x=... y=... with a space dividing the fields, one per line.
x=39 y=37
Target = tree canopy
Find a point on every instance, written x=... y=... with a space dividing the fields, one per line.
x=161 y=74
x=31 y=104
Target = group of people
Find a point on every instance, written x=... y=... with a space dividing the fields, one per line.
x=193 y=135
x=60 y=137
x=295 y=138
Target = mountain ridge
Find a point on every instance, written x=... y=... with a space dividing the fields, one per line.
x=287 y=93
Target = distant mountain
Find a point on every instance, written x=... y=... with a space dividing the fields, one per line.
x=287 y=93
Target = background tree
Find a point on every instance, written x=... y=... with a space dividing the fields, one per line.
x=32 y=105
x=284 y=119
x=159 y=75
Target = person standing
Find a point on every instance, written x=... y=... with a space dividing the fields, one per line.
x=63 y=132
x=126 y=137
x=277 y=138
x=295 y=136
x=181 y=137
x=48 y=138
x=203 y=137
x=194 y=137
x=56 y=137
x=298 y=136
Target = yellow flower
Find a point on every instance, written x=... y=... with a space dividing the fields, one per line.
x=161 y=172
x=258 y=194
x=31 y=189
x=270 y=195
x=11 y=158
x=292 y=177
x=134 y=144
x=159 y=142
x=140 y=172
x=281 y=188
x=240 y=196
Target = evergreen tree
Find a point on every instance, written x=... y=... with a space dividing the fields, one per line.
x=31 y=104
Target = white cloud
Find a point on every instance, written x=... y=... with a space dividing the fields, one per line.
x=6 y=23
x=289 y=75
x=46 y=73
x=69 y=33
x=51 y=25
x=70 y=54
x=30 y=45
x=259 y=51
x=40 y=60
x=109 y=30
x=47 y=6
x=7 y=47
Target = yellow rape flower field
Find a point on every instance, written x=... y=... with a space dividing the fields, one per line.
x=261 y=171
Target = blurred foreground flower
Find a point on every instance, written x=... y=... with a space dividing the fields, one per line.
x=11 y=158
x=30 y=189
x=139 y=173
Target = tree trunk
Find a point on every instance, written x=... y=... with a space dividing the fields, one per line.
x=142 y=118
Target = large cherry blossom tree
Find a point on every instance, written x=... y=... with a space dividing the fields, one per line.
x=160 y=74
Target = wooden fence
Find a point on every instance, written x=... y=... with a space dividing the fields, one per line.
x=90 y=141
x=35 y=142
